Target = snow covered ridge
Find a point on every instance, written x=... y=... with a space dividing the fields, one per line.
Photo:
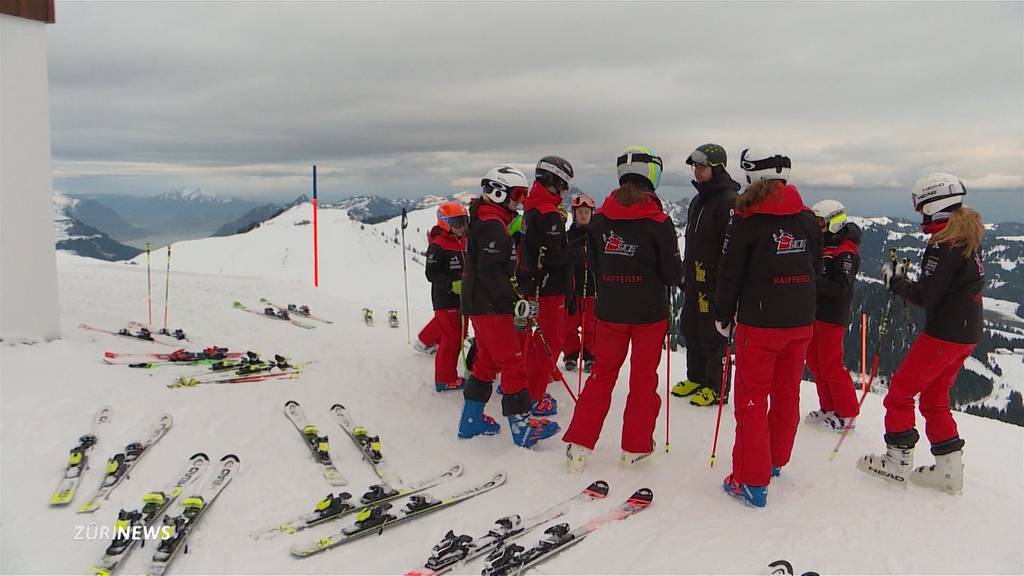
x=193 y=195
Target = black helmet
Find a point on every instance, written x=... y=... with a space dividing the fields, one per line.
x=708 y=155
x=554 y=172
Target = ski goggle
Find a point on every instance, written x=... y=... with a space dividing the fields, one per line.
x=517 y=194
x=699 y=158
x=456 y=221
x=583 y=200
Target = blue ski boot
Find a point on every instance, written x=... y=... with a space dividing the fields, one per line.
x=527 y=431
x=753 y=495
x=475 y=422
x=546 y=406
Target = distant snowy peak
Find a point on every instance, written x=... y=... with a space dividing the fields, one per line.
x=196 y=195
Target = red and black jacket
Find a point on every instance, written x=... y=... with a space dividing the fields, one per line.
x=634 y=254
x=840 y=262
x=706 y=220
x=543 y=226
x=769 y=261
x=583 y=281
x=490 y=261
x=444 y=266
x=949 y=289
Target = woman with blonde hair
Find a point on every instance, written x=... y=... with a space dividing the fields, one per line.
x=949 y=289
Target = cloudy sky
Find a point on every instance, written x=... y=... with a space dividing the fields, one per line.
x=404 y=99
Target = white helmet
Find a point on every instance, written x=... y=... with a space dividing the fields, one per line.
x=643 y=162
x=833 y=213
x=499 y=184
x=938 y=192
x=765 y=163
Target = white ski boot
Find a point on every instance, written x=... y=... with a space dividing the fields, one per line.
x=576 y=458
x=632 y=459
x=817 y=416
x=835 y=423
x=895 y=465
x=946 y=474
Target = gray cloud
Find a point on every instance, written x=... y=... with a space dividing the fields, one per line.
x=404 y=98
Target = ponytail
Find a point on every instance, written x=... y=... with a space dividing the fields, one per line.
x=963 y=229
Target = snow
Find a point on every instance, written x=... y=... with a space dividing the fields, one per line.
x=1006 y=264
x=1003 y=307
x=1012 y=366
x=822 y=515
x=193 y=195
x=1012 y=238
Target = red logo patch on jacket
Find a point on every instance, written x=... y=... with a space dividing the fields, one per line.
x=617 y=245
x=786 y=243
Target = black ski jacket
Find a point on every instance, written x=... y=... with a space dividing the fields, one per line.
x=444 y=266
x=949 y=289
x=840 y=262
x=706 y=221
x=583 y=281
x=490 y=261
x=769 y=261
x=634 y=254
x=543 y=226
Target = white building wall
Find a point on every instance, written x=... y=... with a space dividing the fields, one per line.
x=28 y=263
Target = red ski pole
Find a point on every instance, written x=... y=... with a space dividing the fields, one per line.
x=726 y=373
x=668 y=372
x=149 y=284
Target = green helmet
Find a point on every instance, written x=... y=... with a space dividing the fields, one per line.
x=708 y=155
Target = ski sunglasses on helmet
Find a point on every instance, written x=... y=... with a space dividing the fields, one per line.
x=583 y=200
x=776 y=162
x=699 y=158
x=455 y=221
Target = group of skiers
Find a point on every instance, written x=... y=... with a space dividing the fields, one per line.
x=760 y=271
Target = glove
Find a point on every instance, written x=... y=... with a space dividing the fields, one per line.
x=564 y=213
x=457 y=287
x=889 y=272
x=523 y=312
x=540 y=256
x=724 y=329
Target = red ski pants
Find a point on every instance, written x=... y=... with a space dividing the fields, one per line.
x=431 y=333
x=929 y=369
x=643 y=401
x=584 y=317
x=446 y=360
x=497 y=351
x=769 y=363
x=551 y=323
x=825 y=360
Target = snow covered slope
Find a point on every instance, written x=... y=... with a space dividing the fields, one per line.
x=822 y=515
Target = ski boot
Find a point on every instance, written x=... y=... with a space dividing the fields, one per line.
x=948 y=471
x=631 y=459
x=817 y=416
x=685 y=388
x=576 y=458
x=588 y=366
x=423 y=348
x=706 y=396
x=570 y=364
x=776 y=471
x=756 y=496
x=546 y=406
x=474 y=422
x=446 y=387
x=835 y=423
x=527 y=431
x=895 y=465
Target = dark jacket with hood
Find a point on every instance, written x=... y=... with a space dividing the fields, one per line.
x=706 y=221
x=444 y=266
x=543 y=226
x=949 y=289
x=489 y=261
x=769 y=262
x=840 y=262
x=634 y=255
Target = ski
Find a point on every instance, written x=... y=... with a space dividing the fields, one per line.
x=374 y=519
x=784 y=568
x=142 y=334
x=393 y=318
x=132 y=526
x=316 y=443
x=181 y=356
x=337 y=506
x=236 y=370
x=368 y=445
x=454 y=551
x=177 y=333
x=235 y=379
x=367 y=316
x=175 y=530
x=297 y=310
x=274 y=314
x=78 y=460
x=515 y=559
x=120 y=464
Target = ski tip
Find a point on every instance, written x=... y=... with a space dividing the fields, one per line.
x=87 y=507
x=457 y=469
x=200 y=456
x=230 y=458
x=642 y=497
x=780 y=567
x=290 y=403
x=598 y=489
x=336 y=406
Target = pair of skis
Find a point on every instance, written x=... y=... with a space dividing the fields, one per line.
x=181 y=357
x=246 y=370
x=453 y=552
x=140 y=335
x=133 y=526
x=275 y=314
x=318 y=444
x=78 y=460
x=292 y=309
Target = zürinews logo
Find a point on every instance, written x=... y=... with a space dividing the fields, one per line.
x=122 y=531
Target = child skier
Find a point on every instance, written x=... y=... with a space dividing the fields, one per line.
x=766 y=299
x=635 y=256
x=949 y=289
x=840 y=262
x=444 y=271
x=489 y=298
x=580 y=304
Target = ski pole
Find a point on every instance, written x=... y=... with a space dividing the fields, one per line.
x=668 y=370
x=883 y=330
x=149 y=283
x=167 y=285
x=551 y=364
x=583 y=326
x=405 y=275
x=726 y=373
